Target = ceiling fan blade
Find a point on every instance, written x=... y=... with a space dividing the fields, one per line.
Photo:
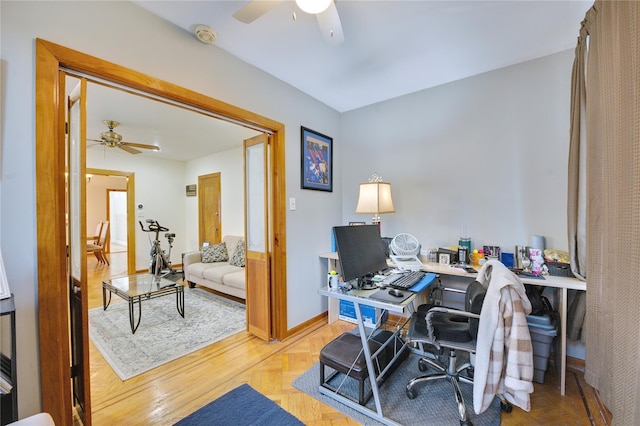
x=142 y=145
x=129 y=149
x=255 y=9
x=330 y=25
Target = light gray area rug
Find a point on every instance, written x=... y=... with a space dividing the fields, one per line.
x=434 y=405
x=163 y=335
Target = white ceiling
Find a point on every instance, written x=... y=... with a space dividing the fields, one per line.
x=390 y=48
x=181 y=134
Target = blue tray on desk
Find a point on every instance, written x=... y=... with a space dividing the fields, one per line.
x=425 y=282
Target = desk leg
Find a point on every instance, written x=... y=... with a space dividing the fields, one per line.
x=368 y=359
x=334 y=309
x=562 y=308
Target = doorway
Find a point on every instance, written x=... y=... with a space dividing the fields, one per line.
x=51 y=60
x=123 y=183
x=209 y=214
x=117 y=214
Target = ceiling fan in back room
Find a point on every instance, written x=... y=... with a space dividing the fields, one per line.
x=112 y=139
x=325 y=11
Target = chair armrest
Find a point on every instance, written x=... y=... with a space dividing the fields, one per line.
x=443 y=310
x=191 y=258
x=439 y=309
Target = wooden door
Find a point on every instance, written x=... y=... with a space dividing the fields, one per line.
x=257 y=269
x=77 y=260
x=209 y=208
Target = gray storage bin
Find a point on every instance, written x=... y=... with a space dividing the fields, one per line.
x=542 y=331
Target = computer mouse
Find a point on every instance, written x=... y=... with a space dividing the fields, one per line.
x=395 y=292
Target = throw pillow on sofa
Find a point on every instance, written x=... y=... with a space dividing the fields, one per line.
x=237 y=259
x=215 y=253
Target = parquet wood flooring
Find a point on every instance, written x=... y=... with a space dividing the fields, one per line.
x=172 y=391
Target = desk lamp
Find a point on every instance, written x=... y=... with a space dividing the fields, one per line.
x=375 y=198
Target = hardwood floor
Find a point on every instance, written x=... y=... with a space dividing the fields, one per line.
x=172 y=391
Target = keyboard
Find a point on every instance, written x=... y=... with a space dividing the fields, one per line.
x=405 y=280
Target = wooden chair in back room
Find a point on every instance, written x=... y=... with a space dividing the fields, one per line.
x=94 y=239
x=99 y=249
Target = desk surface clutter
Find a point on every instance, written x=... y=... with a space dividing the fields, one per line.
x=380 y=299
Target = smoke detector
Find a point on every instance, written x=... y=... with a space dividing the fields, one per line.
x=205 y=34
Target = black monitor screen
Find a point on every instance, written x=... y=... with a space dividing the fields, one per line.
x=360 y=251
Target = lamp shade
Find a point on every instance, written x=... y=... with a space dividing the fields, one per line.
x=375 y=197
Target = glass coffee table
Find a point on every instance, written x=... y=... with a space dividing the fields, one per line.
x=137 y=288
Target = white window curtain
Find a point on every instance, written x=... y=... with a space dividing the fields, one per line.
x=604 y=219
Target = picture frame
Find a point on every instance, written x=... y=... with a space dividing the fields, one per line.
x=316 y=165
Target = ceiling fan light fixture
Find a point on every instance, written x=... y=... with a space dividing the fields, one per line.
x=205 y=34
x=313 y=6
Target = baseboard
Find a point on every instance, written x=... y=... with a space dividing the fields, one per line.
x=307 y=326
x=575 y=363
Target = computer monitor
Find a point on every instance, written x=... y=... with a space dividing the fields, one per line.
x=360 y=253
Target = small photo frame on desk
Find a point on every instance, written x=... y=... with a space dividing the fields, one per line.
x=316 y=160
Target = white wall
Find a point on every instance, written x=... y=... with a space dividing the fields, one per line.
x=97 y=201
x=487 y=153
x=97 y=205
x=159 y=187
x=230 y=166
x=172 y=55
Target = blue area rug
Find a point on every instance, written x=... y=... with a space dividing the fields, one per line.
x=241 y=406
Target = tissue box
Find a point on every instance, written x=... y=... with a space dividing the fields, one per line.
x=370 y=314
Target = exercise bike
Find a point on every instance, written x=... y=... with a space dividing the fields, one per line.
x=160 y=260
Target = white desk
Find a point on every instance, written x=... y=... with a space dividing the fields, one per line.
x=358 y=297
x=561 y=286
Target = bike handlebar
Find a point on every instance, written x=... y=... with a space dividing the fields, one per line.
x=153 y=226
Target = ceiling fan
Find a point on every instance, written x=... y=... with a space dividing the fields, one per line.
x=325 y=11
x=112 y=139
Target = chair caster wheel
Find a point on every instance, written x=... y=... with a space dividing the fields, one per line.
x=465 y=423
x=506 y=407
x=411 y=394
x=422 y=365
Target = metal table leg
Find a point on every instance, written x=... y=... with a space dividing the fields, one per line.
x=180 y=300
x=132 y=316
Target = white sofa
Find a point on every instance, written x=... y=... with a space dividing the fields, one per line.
x=220 y=276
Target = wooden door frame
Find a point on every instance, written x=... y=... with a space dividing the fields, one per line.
x=53 y=304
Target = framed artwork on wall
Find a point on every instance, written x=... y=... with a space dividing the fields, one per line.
x=316 y=154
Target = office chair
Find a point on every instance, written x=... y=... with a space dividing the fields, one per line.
x=453 y=330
